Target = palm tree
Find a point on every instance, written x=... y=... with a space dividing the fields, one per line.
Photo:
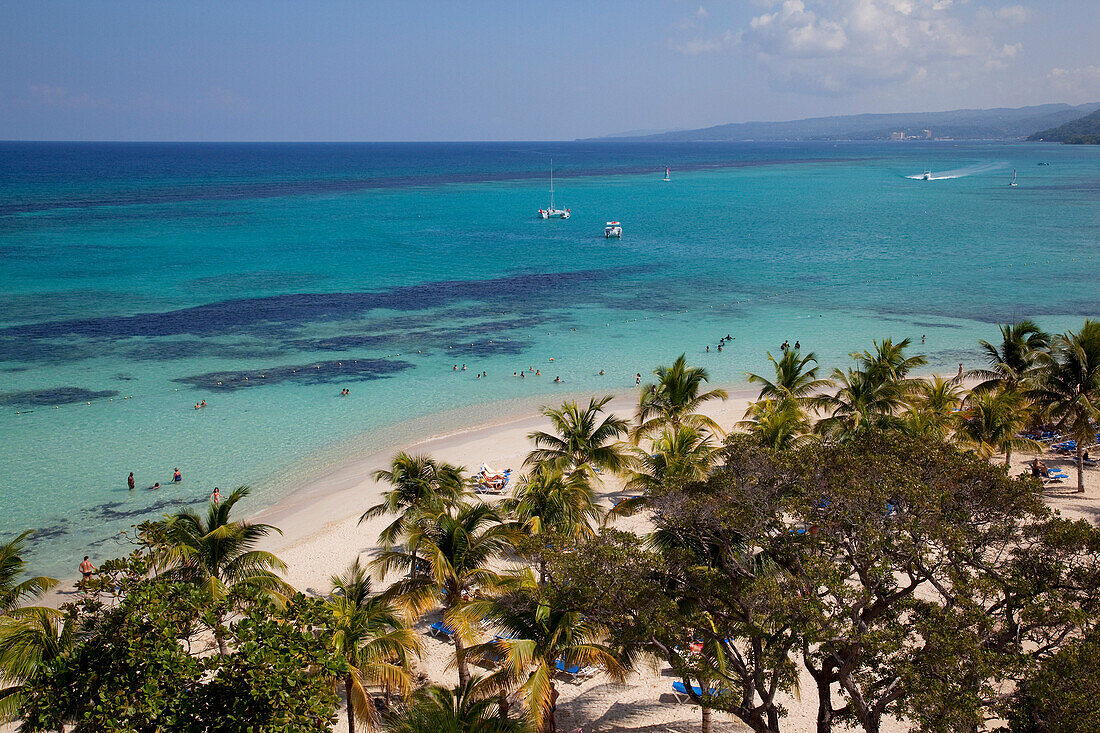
x=534 y=638
x=465 y=709
x=14 y=592
x=549 y=501
x=677 y=456
x=29 y=640
x=457 y=544
x=888 y=364
x=779 y=423
x=217 y=554
x=372 y=636
x=675 y=400
x=932 y=407
x=1069 y=388
x=991 y=422
x=419 y=483
x=794 y=379
x=861 y=401
x=580 y=438
x=1022 y=346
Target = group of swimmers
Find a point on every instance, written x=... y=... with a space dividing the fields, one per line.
x=345 y=392
x=177 y=477
x=787 y=344
x=721 y=342
x=202 y=404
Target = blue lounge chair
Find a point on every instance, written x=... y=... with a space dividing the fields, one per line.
x=573 y=670
x=681 y=694
x=440 y=630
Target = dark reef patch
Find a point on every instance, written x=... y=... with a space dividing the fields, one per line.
x=53 y=396
x=319 y=372
x=276 y=316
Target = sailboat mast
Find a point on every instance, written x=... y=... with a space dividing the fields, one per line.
x=551 y=184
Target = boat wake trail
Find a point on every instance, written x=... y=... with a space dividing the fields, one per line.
x=972 y=170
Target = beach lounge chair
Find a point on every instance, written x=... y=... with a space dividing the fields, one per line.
x=574 y=671
x=681 y=694
x=440 y=630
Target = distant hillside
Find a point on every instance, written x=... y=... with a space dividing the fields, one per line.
x=1083 y=131
x=959 y=124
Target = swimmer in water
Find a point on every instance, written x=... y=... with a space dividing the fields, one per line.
x=130 y=481
x=177 y=476
x=602 y=372
x=557 y=379
x=155 y=486
x=216 y=497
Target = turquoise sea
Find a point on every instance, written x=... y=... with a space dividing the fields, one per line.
x=264 y=279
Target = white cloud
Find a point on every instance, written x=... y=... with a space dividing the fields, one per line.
x=1013 y=14
x=700 y=45
x=701 y=12
x=1081 y=84
x=836 y=46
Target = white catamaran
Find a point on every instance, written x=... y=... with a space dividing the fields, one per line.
x=551 y=211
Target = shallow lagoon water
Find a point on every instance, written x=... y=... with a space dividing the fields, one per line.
x=138 y=277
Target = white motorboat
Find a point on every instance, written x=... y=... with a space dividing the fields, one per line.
x=667 y=178
x=1013 y=182
x=613 y=229
x=551 y=212
x=927 y=176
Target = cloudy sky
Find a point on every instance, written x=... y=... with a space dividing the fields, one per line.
x=511 y=69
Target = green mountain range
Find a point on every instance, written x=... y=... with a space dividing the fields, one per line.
x=1083 y=131
x=959 y=124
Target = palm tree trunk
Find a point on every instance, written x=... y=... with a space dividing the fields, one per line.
x=463 y=669
x=351 y=710
x=222 y=649
x=551 y=725
x=1080 y=468
x=706 y=727
x=1008 y=456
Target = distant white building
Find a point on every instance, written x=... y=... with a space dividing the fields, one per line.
x=927 y=134
x=897 y=135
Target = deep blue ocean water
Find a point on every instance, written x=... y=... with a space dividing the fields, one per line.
x=143 y=278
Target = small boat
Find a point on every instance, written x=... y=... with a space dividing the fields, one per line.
x=551 y=212
x=667 y=178
x=927 y=175
x=1013 y=182
x=613 y=229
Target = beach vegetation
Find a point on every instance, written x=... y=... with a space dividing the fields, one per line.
x=777 y=422
x=931 y=408
x=457 y=545
x=1068 y=389
x=674 y=400
x=991 y=421
x=467 y=708
x=795 y=378
x=539 y=640
x=373 y=637
x=217 y=555
x=420 y=485
x=583 y=438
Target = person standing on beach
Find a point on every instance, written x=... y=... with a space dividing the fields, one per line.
x=130 y=481
x=87 y=570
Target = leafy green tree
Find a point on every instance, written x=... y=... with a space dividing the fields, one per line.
x=675 y=399
x=457 y=544
x=420 y=484
x=130 y=670
x=795 y=379
x=467 y=708
x=581 y=437
x=1061 y=696
x=677 y=455
x=217 y=554
x=1012 y=363
x=372 y=636
x=534 y=637
x=931 y=407
x=1069 y=388
x=777 y=423
x=134 y=666
x=991 y=422
x=279 y=675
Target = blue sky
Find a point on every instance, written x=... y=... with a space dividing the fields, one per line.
x=445 y=70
